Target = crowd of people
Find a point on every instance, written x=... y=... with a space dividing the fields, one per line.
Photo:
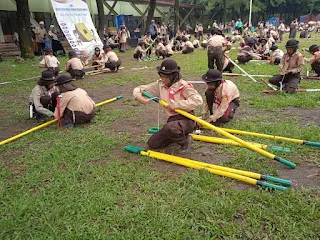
x=64 y=101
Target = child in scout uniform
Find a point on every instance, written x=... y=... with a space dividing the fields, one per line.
x=290 y=68
x=161 y=50
x=75 y=66
x=247 y=52
x=43 y=96
x=110 y=59
x=138 y=52
x=264 y=49
x=188 y=46
x=95 y=58
x=179 y=94
x=222 y=98
x=276 y=56
x=74 y=106
x=216 y=49
x=315 y=59
x=50 y=62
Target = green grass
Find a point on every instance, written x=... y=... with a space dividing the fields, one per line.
x=81 y=184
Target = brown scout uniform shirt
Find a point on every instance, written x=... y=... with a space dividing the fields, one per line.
x=76 y=100
x=225 y=93
x=293 y=63
x=49 y=61
x=75 y=64
x=218 y=41
x=40 y=32
x=186 y=99
x=315 y=58
x=93 y=58
x=36 y=94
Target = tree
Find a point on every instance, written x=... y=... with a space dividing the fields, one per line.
x=102 y=19
x=152 y=7
x=24 y=29
x=176 y=12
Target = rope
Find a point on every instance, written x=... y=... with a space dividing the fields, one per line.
x=3 y=83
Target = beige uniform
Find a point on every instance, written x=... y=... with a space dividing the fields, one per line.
x=225 y=94
x=169 y=49
x=49 y=62
x=138 y=49
x=75 y=64
x=314 y=59
x=76 y=100
x=189 y=44
x=123 y=36
x=110 y=57
x=160 y=46
x=40 y=32
x=278 y=53
x=36 y=94
x=293 y=63
x=93 y=58
x=185 y=96
x=218 y=41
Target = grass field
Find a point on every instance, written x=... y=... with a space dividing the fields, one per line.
x=81 y=184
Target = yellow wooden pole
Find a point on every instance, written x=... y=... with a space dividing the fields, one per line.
x=240 y=132
x=227 y=169
x=197 y=165
x=223 y=141
x=48 y=123
x=224 y=133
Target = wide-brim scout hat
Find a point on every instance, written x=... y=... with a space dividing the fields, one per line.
x=72 y=54
x=47 y=50
x=262 y=40
x=212 y=75
x=47 y=76
x=274 y=47
x=313 y=48
x=63 y=80
x=292 y=43
x=168 y=66
x=250 y=41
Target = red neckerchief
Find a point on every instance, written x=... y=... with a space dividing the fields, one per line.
x=173 y=92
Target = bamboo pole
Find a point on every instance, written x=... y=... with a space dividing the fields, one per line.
x=49 y=123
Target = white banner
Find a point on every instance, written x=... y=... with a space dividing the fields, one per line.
x=75 y=21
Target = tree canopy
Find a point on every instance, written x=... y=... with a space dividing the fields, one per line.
x=261 y=9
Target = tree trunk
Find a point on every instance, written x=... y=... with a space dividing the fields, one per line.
x=24 y=29
x=102 y=19
x=150 y=13
x=224 y=4
x=176 y=12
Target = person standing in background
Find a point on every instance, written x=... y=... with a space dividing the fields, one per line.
x=39 y=33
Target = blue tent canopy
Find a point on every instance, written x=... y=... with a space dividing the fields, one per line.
x=274 y=21
x=127 y=20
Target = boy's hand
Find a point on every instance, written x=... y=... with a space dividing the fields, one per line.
x=142 y=99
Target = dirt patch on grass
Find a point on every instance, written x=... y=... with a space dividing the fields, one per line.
x=307 y=116
x=304 y=175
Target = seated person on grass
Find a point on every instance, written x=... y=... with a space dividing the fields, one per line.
x=43 y=96
x=179 y=94
x=222 y=98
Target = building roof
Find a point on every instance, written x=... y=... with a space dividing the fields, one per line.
x=167 y=3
